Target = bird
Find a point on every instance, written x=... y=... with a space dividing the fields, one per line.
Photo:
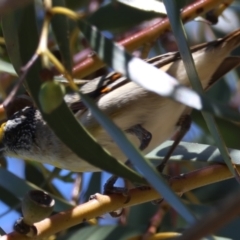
x=146 y=118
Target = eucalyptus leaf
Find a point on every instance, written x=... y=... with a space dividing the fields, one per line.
x=60 y=25
x=184 y=49
x=9 y=181
x=193 y=152
x=228 y=129
x=7 y=67
x=106 y=233
x=93 y=186
x=10 y=200
x=117 y=11
x=34 y=175
x=2 y=232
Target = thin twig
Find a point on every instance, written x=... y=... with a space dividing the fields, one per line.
x=24 y=70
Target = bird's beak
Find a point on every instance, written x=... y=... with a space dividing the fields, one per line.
x=1 y=137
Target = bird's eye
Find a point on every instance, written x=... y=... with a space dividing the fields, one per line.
x=10 y=137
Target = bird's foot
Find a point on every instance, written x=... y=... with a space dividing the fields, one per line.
x=109 y=188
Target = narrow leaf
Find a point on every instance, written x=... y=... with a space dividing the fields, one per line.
x=9 y=181
x=193 y=152
x=7 y=67
x=184 y=49
x=61 y=30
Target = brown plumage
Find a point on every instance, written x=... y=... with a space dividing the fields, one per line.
x=126 y=103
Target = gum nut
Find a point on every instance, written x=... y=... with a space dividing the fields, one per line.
x=51 y=95
x=36 y=206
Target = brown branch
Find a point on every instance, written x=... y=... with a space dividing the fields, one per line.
x=108 y=203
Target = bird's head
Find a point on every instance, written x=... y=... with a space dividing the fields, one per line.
x=27 y=136
x=18 y=133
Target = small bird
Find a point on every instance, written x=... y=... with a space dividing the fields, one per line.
x=147 y=118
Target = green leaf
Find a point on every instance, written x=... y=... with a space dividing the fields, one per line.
x=2 y=232
x=193 y=152
x=139 y=215
x=106 y=233
x=61 y=31
x=228 y=129
x=9 y=181
x=7 y=67
x=35 y=176
x=118 y=11
x=73 y=4
x=184 y=49
x=93 y=186
x=10 y=200
x=51 y=95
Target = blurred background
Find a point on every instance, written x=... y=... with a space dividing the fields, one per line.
x=119 y=21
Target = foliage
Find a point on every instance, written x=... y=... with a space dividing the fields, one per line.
x=39 y=52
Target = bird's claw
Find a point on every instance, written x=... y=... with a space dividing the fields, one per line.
x=110 y=189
